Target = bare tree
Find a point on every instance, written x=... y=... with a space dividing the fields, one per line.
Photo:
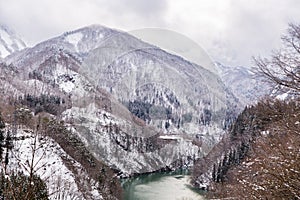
x=271 y=170
x=16 y=184
x=283 y=68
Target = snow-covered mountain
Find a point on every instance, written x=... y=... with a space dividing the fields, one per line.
x=77 y=43
x=63 y=65
x=243 y=84
x=9 y=41
x=134 y=106
x=163 y=89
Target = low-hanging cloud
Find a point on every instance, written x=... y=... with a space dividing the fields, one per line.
x=38 y=20
x=230 y=30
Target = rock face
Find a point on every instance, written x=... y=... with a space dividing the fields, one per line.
x=9 y=41
x=121 y=95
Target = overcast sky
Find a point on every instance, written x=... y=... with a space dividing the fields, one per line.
x=231 y=31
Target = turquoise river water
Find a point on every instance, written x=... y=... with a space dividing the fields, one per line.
x=161 y=186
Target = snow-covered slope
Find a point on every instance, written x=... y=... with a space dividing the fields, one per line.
x=242 y=82
x=121 y=94
x=107 y=137
x=8 y=82
x=52 y=164
x=9 y=41
x=164 y=90
x=79 y=43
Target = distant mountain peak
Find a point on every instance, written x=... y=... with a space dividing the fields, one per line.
x=9 y=41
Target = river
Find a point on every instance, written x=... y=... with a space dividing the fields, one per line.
x=161 y=186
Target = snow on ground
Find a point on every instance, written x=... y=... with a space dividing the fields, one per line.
x=3 y=51
x=5 y=36
x=282 y=96
x=70 y=81
x=92 y=115
x=62 y=76
x=67 y=86
x=9 y=43
x=265 y=133
x=129 y=162
x=170 y=137
x=60 y=70
x=49 y=165
x=74 y=39
x=38 y=85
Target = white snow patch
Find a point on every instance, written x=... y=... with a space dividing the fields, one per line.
x=60 y=70
x=93 y=116
x=51 y=167
x=60 y=74
x=265 y=132
x=74 y=39
x=282 y=96
x=170 y=137
x=6 y=37
x=3 y=51
x=67 y=86
x=248 y=163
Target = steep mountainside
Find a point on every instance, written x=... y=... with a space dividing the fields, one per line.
x=164 y=90
x=252 y=124
x=9 y=41
x=174 y=96
x=78 y=43
x=258 y=158
x=241 y=81
x=53 y=165
x=39 y=144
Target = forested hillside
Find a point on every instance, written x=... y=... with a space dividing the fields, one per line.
x=259 y=157
x=34 y=143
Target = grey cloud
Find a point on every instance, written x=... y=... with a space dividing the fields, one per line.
x=244 y=29
x=254 y=28
x=132 y=14
x=143 y=8
x=39 y=20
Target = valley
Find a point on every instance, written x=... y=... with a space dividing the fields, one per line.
x=97 y=113
x=108 y=108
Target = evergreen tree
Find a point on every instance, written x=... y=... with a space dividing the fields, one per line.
x=2 y=126
x=243 y=150
x=225 y=167
x=219 y=173
x=214 y=173
x=230 y=158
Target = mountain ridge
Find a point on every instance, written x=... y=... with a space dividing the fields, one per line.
x=9 y=41
x=121 y=97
